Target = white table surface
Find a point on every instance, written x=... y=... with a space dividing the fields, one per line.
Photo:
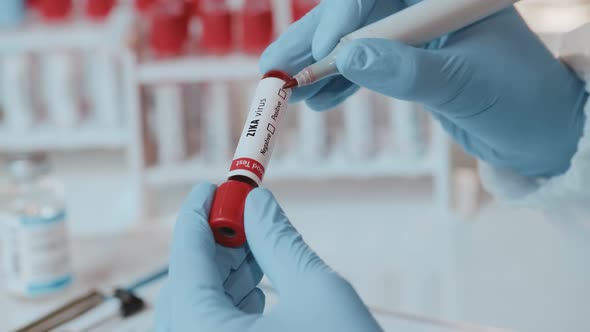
x=108 y=260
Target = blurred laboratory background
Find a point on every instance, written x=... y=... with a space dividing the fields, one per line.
x=111 y=110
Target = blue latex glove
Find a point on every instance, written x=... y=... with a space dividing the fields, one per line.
x=493 y=85
x=212 y=288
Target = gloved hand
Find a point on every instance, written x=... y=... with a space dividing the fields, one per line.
x=212 y=288
x=493 y=85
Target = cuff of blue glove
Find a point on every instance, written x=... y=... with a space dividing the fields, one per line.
x=566 y=195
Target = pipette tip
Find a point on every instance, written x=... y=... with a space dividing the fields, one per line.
x=291 y=84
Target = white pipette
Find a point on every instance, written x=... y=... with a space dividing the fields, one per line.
x=415 y=25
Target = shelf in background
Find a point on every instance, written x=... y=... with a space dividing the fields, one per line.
x=333 y=168
x=61 y=140
x=191 y=69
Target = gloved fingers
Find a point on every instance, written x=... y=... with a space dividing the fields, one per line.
x=339 y=18
x=229 y=259
x=333 y=94
x=276 y=244
x=243 y=280
x=471 y=144
x=438 y=79
x=193 y=250
x=195 y=282
x=291 y=52
x=254 y=302
x=305 y=92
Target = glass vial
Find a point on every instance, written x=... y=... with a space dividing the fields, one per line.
x=35 y=248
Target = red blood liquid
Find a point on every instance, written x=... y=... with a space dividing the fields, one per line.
x=255 y=30
x=196 y=8
x=54 y=10
x=216 y=38
x=99 y=9
x=168 y=34
x=301 y=7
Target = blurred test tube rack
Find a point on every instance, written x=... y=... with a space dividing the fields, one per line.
x=312 y=145
x=175 y=106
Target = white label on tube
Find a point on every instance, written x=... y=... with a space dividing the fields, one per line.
x=261 y=129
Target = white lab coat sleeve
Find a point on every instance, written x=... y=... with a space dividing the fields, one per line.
x=567 y=194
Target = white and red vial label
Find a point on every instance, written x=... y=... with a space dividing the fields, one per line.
x=261 y=130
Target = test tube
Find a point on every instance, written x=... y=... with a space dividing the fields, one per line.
x=407 y=126
x=251 y=159
x=358 y=124
x=255 y=28
x=102 y=84
x=168 y=29
x=217 y=116
x=144 y=6
x=58 y=71
x=312 y=134
x=102 y=67
x=169 y=122
x=168 y=35
x=301 y=7
x=98 y=10
x=18 y=108
x=216 y=22
x=54 y=10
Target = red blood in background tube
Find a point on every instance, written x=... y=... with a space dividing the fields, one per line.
x=216 y=22
x=168 y=30
x=196 y=5
x=255 y=26
x=226 y=217
x=143 y=6
x=54 y=10
x=301 y=7
x=99 y=9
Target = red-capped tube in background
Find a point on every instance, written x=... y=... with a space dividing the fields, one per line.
x=99 y=9
x=168 y=31
x=255 y=26
x=301 y=7
x=226 y=217
x=54 y=10
x=217 y=26
x=144 y=6
x=196 y=4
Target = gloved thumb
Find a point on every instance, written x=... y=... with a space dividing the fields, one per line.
x=277 y=246
x=431 y=77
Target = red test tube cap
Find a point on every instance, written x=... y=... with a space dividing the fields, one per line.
x=168 y=33
x=99 y=9
x=226 y=218
x=54 y=10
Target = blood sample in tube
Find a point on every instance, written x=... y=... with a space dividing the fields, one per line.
x=216 y=21
x=255 y=28
x=98 y=10
x=169 y=29
x=251 y=159
x=144 y=6
x=54 y=10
